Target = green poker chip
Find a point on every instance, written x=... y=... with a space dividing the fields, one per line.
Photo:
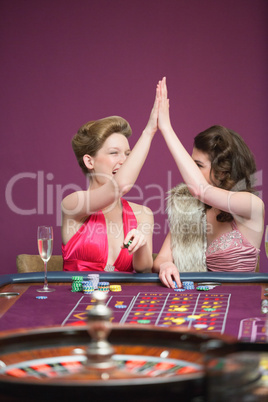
x=204 y=288
x=77 y=287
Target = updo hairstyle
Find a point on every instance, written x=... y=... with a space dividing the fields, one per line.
x=91 y=136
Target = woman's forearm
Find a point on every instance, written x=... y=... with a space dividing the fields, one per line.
x=187 y=167
x=129 y=171
x=143 y=259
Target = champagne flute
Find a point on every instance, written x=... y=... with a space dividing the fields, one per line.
x=45 y=246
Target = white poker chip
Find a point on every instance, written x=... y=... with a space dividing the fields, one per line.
x=209 y=283
x=94 y=278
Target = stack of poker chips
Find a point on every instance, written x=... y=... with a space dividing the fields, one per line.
x=188 y=285
x=88 y=287
x=178 y=289
x=264 y=306
x=104 y=286
x=94 y=278
x=204 y=288
x=115 y=288
x=77 y=283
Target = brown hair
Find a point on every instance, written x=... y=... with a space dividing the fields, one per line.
x=91 y=136
x=232 y=162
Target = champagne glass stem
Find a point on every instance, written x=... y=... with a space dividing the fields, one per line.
x=45 y=280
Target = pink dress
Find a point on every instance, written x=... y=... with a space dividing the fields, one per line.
x=232 y=252
x=87 y=250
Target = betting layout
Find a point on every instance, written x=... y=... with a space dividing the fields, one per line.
x=201 y=311
x=207 y=310
x=224 y=309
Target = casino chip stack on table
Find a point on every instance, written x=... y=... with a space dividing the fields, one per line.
x=115 y=288
x=88 y=287
x=104 y=287
x=79 y=284
x=189 y=285
x=94 y=278
x=186 y=285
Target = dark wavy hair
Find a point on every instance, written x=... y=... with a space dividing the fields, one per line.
x=232 y=162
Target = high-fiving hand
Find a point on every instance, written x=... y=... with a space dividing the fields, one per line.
x=163 y=109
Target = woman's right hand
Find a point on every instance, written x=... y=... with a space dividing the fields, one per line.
x=163 y=110
x=168 y=273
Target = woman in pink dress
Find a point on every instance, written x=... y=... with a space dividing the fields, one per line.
x=101 y=231
x=219 y=174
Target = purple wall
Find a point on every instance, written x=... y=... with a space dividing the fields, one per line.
x=65 y=62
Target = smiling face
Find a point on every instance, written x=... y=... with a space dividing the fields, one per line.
x=109 y=158
x=202 y=161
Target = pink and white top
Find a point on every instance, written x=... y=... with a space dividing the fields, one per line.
x=232 y=252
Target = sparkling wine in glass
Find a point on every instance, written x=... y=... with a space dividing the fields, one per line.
x=45 y=247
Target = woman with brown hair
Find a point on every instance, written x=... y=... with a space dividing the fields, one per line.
x=219 y=174
x=101 y=231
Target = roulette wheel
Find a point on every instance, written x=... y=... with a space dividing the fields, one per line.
x=124 y=363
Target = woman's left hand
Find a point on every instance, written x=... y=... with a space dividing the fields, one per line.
x=152 y=124
x=134 y=240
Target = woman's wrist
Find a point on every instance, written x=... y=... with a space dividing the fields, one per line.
x=149 y=132
x=166 y=129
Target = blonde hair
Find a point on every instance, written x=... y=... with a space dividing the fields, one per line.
x=91 y=136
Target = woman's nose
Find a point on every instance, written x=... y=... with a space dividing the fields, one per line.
x=123 y=157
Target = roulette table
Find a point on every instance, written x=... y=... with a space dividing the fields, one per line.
x=202 y=345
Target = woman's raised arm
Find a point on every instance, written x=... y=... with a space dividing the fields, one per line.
x=83 y=203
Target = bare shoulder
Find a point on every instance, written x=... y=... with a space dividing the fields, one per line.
x=142 y=212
